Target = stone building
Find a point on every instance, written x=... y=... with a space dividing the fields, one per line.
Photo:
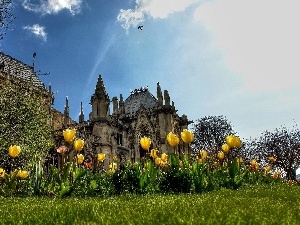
x=118 y=133
x=115 y=133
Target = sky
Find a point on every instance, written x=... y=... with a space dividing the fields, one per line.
x=239 y=59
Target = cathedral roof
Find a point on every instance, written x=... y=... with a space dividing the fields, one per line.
x=19 y=70
x=137 y=98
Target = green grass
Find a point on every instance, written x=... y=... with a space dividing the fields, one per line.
x=276 y=204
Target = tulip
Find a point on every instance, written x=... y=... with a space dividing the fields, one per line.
x=172 y=139
x=203 y=154
x=233 y=141
x=80 y=159
x=62 y=149
x=157 y=161
x=153 y=153
x=268 y=169
x=113 y=167
x=145 y=143
x=200 y=160
x=164 y=157
x=253 y=162
x=272 y=159
x=240 y=160
x=187 y=136
x=225 y=148
x=221 y=155
x=180 y=163
x=115 y=158
x=69 y=135
x=2 y=172
x=78 y=144
x=14 y=151
x=101 y=157
x=23 y=174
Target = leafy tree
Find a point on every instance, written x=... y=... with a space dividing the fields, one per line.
x=210 y=133
x=284 y=145
x=24 y=121
x=6 y=16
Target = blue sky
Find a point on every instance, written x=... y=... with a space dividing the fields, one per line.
x=215 y=57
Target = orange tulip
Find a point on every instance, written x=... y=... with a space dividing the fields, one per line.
x=187 y=136
x=172 y=139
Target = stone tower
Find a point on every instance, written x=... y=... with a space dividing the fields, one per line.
x=141 y=114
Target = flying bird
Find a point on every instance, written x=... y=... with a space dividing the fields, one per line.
x=140 y=27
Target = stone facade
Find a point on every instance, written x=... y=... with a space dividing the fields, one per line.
x=119 y=133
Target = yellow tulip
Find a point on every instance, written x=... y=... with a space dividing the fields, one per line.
x=172 y=139
x=164 y=157
x=233 y=141
x=2 y=172
x=14 y=151
x=221 y=155
x=69 y=135
x=101 y=157
x=240 y=160
x=80 y=159
x=115 y=158
x=253 y=162
x=203 y=154
x=200 y=160
x=180 y=163
x=145 y=143
x=113 y=167
x=153 y=153
x=23 y=174
x=78 y=144
x=187 y=136
x=268 y=169
x=225 y=148
x=157 y=161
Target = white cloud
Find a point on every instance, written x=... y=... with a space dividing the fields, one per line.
x=37 y=30
x=259 y=39
x=152 y=8
x=53 y=6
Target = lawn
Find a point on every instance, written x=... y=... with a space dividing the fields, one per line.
x=263 y=204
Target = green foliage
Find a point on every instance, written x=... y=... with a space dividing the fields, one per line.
x=67 y=178
x=176 y=178
x=23 y=121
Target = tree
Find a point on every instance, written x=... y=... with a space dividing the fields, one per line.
x=210 y=133
x=284 y=145
x=6 y=16
x=24 y=121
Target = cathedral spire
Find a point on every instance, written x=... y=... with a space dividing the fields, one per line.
x=81 y=115
x=66 y=113
x=100 y=91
